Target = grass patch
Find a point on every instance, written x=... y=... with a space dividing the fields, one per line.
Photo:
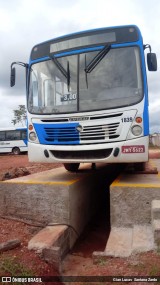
x=10 y=266
x=154 y=271
x=101 y=261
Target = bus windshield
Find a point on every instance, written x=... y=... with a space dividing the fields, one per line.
x=116 y=81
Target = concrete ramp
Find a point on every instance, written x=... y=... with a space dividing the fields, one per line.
x=134 y=213
x=143 y=238
x=119 y=243
x=54 y=196
x=123 y=242
x=131 y=197
x=57 y=196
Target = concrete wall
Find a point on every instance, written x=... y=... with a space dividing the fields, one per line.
x=130 y=206
x=34 y=202
x=62 y=204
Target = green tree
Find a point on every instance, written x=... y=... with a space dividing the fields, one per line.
x=20 y=115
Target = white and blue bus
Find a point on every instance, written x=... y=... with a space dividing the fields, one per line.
x=87 y=98
x=13 y=140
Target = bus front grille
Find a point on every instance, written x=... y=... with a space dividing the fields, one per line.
x=62 y=135
x=99 y=132
x=83 y=154
x=68 y=134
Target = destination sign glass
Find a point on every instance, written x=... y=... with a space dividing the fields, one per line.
x=83 y=41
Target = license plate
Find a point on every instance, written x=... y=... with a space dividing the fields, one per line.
x=133 y=149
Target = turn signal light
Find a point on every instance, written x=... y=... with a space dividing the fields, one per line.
x=30 y=127
x=138 y=120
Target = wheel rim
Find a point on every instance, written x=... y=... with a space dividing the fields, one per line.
x=16 y=151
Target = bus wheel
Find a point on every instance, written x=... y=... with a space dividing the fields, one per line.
x=73 y=167
x=16 y=150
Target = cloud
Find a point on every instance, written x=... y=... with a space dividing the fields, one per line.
x=25 y=23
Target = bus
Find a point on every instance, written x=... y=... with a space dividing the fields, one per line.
x=87 y=97
x=13 y=140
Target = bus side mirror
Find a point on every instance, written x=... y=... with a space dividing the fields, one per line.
x=13 y=76
x=152 y=61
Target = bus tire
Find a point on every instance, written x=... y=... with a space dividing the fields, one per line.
x=72 y=167
x=16 y=150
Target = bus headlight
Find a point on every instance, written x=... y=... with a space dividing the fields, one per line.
x=32 y=136
x=136 y=130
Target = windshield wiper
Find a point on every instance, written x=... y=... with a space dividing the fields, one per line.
x=68 y=76
x=62 y=70
x=86 y=72
x=97 y=59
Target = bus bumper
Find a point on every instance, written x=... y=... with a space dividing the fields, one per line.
x=130 y=151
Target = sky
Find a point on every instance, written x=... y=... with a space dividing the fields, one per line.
x=24 y=23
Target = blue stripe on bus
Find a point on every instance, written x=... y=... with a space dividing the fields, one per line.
x=57 y=134
x=25 y=142
x=145 y=86
x=71 y=52
x=145 y=118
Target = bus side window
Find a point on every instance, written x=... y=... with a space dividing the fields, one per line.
x=2 y=136
x=12 y=135
x=24 y=135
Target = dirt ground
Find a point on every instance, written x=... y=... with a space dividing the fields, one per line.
x=79 y=261
x=18 y=165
